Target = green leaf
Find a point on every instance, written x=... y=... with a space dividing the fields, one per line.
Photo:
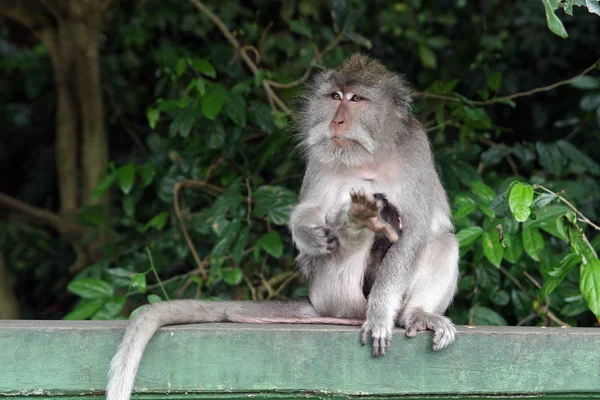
x=551 y=158
x=500 y=205
x=213 y=101
x=126 y=176
x=486 y=316
x=180 y=67
x=533 y=242
x=587 y=82
x=157 y=222
x=204 y=67
x=153 y=298
x=129 y=206
x=91 y=288
x=492 y=248
x=558 y=273
x=263 y=116
x=84 y=310
x=138 y=281
x=542 y=201
x=235 y=108
x=221 y=248
x=485 y=193
x=183 y=123
x=578 y=157
x=153 y=115
x=467 y=236
x=427 y=56
x=359 y=39
x=272 y=244
x=514 y=247
x=519 y=201
x=553 y=21
x=103 y=186
x=522 y=303
x=499 y=297
x=240 y=244
x=494 y=81
x=147 y=171
x=594 y=8
x=590 y=285
x=300 y=27
x=233 y=276
x=275 y=202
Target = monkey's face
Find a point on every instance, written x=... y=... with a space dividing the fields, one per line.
x=345 y=125
x=354 y=115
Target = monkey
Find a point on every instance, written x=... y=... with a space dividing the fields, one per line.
x=356 y=129
x=365 y=212
x=366 y=262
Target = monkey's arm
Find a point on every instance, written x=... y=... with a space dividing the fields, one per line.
x=309 y=232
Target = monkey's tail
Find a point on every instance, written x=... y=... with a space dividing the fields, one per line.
x=125 y=363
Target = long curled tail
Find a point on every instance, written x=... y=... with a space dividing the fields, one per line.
x=126 y=361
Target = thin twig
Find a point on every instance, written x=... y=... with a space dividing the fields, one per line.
x=156 y=274
x=509 y=97
x=290 y=278
x=546 y=309
x=199 y=264
x=261 y=42
x=311 y=65
x=243 y=53
x=513 y=279
x=582 y=217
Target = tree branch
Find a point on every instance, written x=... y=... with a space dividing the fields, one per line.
x=42 y=217
x=589 y=69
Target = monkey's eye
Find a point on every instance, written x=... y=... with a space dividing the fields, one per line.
x=336 y=96
x=356 y=98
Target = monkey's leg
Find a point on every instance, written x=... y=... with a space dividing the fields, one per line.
x=432 y=291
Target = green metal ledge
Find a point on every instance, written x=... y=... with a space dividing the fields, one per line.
x=65 y=359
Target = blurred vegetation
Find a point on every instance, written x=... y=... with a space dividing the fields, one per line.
x=147 y=147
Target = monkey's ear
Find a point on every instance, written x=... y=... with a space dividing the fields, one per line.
x=401 y=97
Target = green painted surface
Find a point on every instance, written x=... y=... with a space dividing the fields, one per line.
x=234 y=361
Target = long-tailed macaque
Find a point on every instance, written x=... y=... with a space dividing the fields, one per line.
x=372 y=227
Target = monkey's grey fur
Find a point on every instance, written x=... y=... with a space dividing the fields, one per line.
x=385 y=151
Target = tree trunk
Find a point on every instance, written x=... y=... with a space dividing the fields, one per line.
x=60 y=46
x=9 y=306
x=87 y=22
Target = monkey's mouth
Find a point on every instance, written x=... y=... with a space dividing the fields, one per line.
x=343 y=140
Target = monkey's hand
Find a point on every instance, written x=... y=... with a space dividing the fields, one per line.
x=364 y=210
x=315 y=240
x=380 y=331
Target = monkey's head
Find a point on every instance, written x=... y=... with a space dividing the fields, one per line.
x=353 y=114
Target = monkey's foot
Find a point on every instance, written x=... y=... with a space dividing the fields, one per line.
x=380 y=334
x=365 y=211
x=443 y=329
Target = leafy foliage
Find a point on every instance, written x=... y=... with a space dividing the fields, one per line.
x=202 y=180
